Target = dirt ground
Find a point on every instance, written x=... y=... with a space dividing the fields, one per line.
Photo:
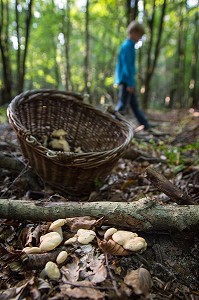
x=167 y=269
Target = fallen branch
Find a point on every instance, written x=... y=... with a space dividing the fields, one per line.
x=26 y=176
x=143 y=215
x=11 y=163
x=167 y=187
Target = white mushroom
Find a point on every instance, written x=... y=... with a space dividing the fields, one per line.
x=50 y=241
x=57 y=223
x=57 y=133
x=60 y=144
x=71 y=240
x=62 y=256
x=52 y=270
x=65 y=144
x=59 y=231
x=31 y=250
x=109 y=232
x=56 y=226
x=85 y=236
x=136 y=244
x=55 y=145
x=78 y=150
x=122 y=236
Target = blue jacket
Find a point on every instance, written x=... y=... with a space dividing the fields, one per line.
x=125 y=68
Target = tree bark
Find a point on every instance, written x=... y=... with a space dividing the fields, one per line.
x=22 y=54
x=67 y=46
x=143 y=215
x=151 y=64
x=194 y=86
x=131 y=10
x=86 y=54
x=168 y=188
x=6 y=91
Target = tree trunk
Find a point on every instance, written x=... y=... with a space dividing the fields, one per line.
x=131 y=10
x=194 y=86
x=86 y=54
x=142 y=215
x=6 y=91
x=22 y=54
x=67 y=47
x=151 y=63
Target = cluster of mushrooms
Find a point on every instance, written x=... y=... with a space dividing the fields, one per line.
x=58 y=142
x=48 y=242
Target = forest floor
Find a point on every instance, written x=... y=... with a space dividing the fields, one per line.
x=167 y=269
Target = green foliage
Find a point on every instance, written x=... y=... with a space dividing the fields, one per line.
x=98 y=183
x=3 y=115
x=46 y=57
x=177 y=157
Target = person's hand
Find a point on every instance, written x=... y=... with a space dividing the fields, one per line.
x=130 y=89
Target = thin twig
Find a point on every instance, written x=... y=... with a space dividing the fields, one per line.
x=111 y=276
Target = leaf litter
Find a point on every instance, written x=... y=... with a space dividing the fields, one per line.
x=169 y=267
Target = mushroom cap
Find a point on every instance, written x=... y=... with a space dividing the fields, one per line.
x=85 y=236
x=62 y=256
x=135 y=244
x=65 y=145
x=52 y=270
x=50 y=241
x=31 y=250
x=57 y=223
x=56 y=145
x=122 y=236
x=59 y=230
x=58 y=132
x=85 y=232
x=71 y=240
x=109 y=232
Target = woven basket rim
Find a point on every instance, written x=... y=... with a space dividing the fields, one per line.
x=115 y=117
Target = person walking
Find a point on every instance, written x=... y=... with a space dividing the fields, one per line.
x=125 y=73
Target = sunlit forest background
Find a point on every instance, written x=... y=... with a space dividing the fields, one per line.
x=73 y=45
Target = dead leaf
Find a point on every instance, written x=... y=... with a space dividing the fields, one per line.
x=113 y=248
x=16 y=292
x=71 y=270
x=80 y=223
x=100 y=273
x=140 y=280
x=82 y=292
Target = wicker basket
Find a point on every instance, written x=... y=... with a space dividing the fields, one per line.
x=103 y=137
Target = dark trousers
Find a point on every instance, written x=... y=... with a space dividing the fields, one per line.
x=125 y=99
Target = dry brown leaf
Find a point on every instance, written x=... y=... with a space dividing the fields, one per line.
x=71 y=270
x=84 y=292
x=113 y=248
x=80 y=223
x=33 y=236
x=92 y=265
x=100 y=275
x=140 y=280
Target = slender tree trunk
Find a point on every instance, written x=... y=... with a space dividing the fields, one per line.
x=18 y=47
x=86 y=54
x=27 y=37
x=6 y=91
x=178 y=90
x=153 y=57
x=131 y=10
x=194 y=88
x=67 y=47
x=22 y=54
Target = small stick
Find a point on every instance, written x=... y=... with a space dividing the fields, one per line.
x=164 y=185
x=111 y=276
